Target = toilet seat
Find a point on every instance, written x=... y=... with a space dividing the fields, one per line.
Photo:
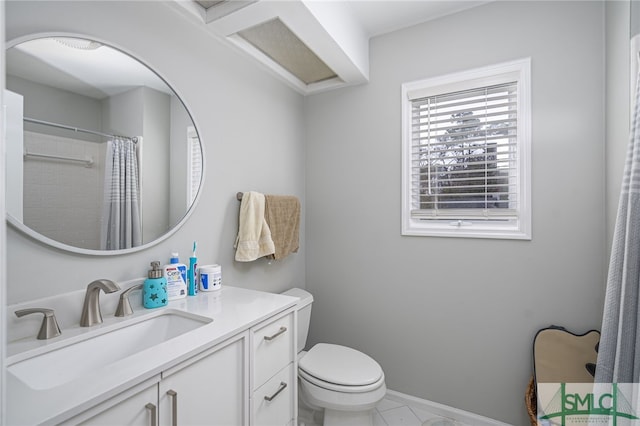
x=341 y=369
x=339 y=388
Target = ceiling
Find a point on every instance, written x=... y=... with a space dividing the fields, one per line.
x=383 y=16
x=335 y=32
x=79 y=66
x=320 y=44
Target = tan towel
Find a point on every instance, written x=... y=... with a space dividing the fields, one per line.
x=283 y=218
x=254 y=236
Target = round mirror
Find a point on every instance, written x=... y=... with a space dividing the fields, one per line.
x=102 y=155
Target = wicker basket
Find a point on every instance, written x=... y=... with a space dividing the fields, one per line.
x=531 y=401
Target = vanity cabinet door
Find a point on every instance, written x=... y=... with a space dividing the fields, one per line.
x=139 y=409
x=209 y=389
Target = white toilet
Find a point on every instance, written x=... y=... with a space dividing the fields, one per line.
x=343 y=382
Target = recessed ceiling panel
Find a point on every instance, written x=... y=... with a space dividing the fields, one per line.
x=278 y=42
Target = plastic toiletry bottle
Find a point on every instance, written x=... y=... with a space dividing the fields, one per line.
x=210 y=277
x=193 y=267
x=176 y=276
x=154 y=289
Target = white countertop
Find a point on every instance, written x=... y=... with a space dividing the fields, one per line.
x=232 y=309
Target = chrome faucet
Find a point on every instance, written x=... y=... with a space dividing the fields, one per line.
x=49 y=327
x=91 y=314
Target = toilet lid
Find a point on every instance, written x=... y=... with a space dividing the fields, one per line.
x=340 y=365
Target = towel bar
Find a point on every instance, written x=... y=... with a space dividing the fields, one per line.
x=239 y=196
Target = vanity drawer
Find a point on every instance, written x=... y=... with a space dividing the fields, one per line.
x=273 y=348
x=280 y=390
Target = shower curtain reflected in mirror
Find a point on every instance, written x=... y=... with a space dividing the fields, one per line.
x=121 y=218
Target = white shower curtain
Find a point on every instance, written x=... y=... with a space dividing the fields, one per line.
x=619 y=350
x=121 y=219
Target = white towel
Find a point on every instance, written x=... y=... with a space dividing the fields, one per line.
x=254 y=236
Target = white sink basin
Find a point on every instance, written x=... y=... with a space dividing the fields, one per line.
x=60 y=366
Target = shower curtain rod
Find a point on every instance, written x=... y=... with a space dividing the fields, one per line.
x=77 y=129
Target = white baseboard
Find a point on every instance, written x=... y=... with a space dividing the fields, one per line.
x=443 y=410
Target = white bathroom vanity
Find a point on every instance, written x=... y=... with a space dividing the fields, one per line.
x=217 y=358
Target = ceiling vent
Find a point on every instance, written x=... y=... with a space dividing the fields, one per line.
x=312 y=45
x=278 y=42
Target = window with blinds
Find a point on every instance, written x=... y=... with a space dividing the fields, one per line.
x=194 y=165
x=465 y=153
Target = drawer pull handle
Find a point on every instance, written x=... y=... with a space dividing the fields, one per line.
x=154 y=412
x=174 y=406
x=282 y=387
x=269 y=338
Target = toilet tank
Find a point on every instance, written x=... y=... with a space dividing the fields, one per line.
x=304 y=314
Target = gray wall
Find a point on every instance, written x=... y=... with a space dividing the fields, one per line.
x=452 y=320
x=42 y=102
x=251 y=127
x=49 y=210
x=156 y=152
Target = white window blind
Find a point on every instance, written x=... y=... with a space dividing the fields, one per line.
x=464 y=154
x=194 y=165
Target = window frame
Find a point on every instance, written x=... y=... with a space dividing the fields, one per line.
x=520 y=228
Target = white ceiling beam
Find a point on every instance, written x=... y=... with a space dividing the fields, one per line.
x=326 y=27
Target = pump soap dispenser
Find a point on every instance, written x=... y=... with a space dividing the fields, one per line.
x=154 y=290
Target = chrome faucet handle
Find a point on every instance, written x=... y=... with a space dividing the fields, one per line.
x=91 y=308
x=124 y=305
x=49 y=327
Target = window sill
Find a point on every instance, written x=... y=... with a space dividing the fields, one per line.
x=466 y=229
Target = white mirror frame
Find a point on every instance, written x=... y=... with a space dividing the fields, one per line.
x=17 y=224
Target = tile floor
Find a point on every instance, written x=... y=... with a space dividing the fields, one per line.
x=391 y=413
